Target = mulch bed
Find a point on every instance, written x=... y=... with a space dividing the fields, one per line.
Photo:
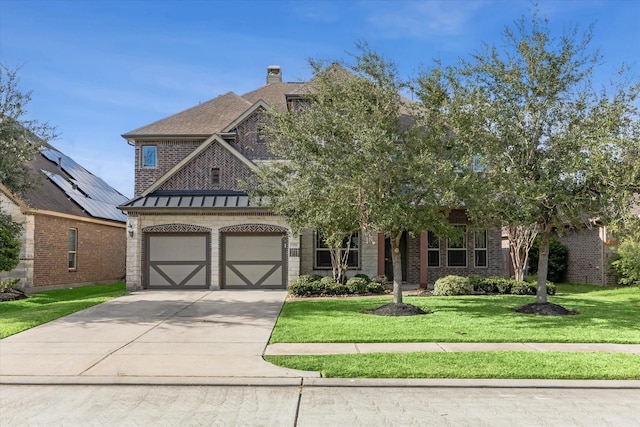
x=400 y=309
x=545 y=309
x=12 y=295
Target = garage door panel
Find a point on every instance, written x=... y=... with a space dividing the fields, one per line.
x=254 y=261
x=177 y=261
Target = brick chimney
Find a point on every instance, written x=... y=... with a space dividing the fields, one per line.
x=274 y=74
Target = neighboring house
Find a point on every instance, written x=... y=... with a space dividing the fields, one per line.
x=72 y=232
x=191 y=226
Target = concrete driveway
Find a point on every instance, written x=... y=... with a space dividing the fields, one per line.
x=177 y=337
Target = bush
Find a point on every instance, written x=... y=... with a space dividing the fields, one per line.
x=627 y=266
x=480 y=285
x=306 y=285
x=362 y=276
x=376 y=288
x=452 y=285
x=558 y=259
x=523 y=288
x=357 y=285
x=380 y=278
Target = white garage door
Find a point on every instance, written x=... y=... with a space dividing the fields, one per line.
x=254 y=260
x=177 y=260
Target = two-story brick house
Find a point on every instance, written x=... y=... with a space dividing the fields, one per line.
x=191 y=226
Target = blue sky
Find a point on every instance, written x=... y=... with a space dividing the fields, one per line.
x=100 y=68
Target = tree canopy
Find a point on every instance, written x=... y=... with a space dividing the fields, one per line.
x=358 y=158
x=20 y=138
x=554 y=151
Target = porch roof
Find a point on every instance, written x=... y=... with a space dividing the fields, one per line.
x=183 y=200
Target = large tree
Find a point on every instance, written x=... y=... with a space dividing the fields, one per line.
x=20 y=138
x=555 y=152
x=356 y=159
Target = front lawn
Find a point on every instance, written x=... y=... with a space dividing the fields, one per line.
x=502 y=365
x=43 y=307
x=605 y=315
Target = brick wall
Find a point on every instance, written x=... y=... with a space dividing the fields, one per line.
x=249 y=141
x=589 y=257
x=196 y=175
x=169 y=154
x=100 y=252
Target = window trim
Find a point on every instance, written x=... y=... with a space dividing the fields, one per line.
x=464 y=248
x=484 y=249
x=433 y=249
x=72 y=252
x=155 y=156
x=317 y=248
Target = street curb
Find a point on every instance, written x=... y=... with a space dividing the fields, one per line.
x=470 y=383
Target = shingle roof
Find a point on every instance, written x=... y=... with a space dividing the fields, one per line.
x=204 y=119
x=191 y=200
x=274 y=94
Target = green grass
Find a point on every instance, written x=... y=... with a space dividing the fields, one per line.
x=43 y=307
x=496 y=365
x=606 y=315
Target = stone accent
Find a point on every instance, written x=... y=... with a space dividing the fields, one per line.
x=216 y=223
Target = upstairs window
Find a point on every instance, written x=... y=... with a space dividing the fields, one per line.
x=480 y=248
x=215 y=177
x=149 y=156
x=73 y=249
x=433 y=250
x=457 y=248
x=323 y=257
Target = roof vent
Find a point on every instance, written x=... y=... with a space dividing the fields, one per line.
x=274 y=74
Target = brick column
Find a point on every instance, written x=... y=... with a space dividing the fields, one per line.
x=423 y=260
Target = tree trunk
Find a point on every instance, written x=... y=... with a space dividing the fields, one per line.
x=543 y=265
x=396 y=259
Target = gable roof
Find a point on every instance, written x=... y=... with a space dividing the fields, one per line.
x=274 y=94
x=202 y=120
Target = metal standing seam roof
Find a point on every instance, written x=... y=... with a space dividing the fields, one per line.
x=166 y=199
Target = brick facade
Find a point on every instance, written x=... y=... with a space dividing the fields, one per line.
x=100 y=252
x=249 y=140
x=196 y=175
x=169 y=154
x=589 y=257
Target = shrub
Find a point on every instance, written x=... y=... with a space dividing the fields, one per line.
x=558 y=259
x=357 y=285
x=628 y=263
x=331 y=287
x=362 y=276
x=380 y=278
x=376 y=288
x=523 y=288
x=452 y=285
x=306 y=285
x=478 y=284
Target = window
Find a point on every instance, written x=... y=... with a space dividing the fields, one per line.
x=433 y=250
x=478 y=164
x=457 y=248
x=480 y=248
x=73 y=248
x=323 y=257
x=215 y=177
x=149 y=156
x=261 y=136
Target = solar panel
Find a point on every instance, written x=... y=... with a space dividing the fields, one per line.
x=94 y=195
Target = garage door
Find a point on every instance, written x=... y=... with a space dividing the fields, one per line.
x=177 y=260
x=254 y=260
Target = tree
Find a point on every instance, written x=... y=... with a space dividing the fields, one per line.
x=554 y=151
x=20 y=139
x=9 y=242
x=355 y=158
